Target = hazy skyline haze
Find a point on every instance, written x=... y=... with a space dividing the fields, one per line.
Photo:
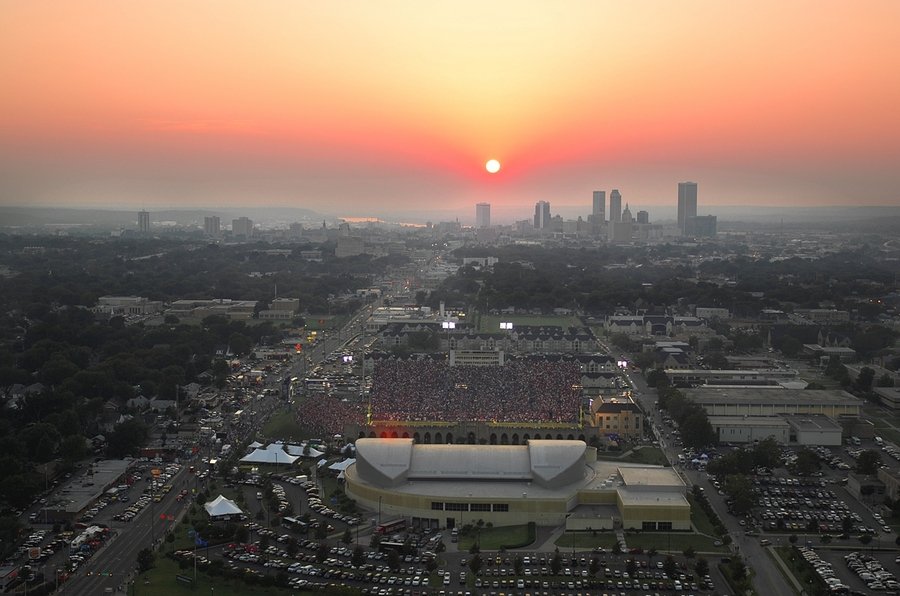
x=377 y=108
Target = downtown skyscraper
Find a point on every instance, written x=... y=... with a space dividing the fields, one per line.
x=687 y=203
x=482 y=215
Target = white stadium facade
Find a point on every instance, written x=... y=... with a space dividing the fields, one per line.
x=549 y=482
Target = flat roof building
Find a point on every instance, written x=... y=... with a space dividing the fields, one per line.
x=746 y=401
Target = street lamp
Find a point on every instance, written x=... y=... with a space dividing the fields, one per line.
x=448 y=325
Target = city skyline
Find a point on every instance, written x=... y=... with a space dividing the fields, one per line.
x=264 y=108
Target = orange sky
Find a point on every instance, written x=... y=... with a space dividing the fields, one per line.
x=368 y=108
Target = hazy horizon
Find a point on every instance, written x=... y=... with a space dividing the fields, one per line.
x=395 y=107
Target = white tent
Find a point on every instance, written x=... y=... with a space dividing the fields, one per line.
x=298 y=451
x=272 y=454
x=342 y=465
x=220 y=507
x=255 y=445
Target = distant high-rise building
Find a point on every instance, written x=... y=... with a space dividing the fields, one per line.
x=242 y=227
x=687 y=203
x=144 y=222
x=615 y=205
x=623 y=228
x=212 y=225
x=643 y=217
x=599 y=206
x=483 y=215
x=701 y=226
x=541 y=215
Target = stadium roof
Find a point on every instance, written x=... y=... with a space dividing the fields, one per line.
x=389 y=462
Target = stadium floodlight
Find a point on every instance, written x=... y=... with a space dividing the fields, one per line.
x=506 y=325
x=622 y=363
x=347 y=358
x=448 y=325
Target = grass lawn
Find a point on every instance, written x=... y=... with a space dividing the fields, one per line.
x=162 y=582
x=641 y=455
x=283 y=425
x=584 y=540
x=494 y=538
x=801 y=570
x=699 y=519
x=674 y=542
x=491 y=323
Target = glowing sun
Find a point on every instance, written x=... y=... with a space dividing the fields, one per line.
x=492 y=166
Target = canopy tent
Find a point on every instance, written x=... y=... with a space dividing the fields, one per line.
x=220 y=507
x=271 y=454
x=255 y=445
x=342 y=465
x=298 y=450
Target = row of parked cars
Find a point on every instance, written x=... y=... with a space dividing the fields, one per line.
x=872 y=572
x=824 y=570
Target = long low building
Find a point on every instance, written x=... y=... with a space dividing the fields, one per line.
x=549 y=482
x=786 y=429
x=744 y=401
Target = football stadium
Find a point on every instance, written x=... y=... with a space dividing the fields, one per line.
x=433 y=402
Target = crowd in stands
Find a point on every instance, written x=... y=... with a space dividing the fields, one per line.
x=327 y=415
x=520 y=391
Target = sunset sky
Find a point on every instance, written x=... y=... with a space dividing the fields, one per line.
x=379 y=108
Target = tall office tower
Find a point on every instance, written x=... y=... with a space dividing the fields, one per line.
x=212 y=225
x=615 y=205
x=643 y=217
x=144 y=222
x=483 y=215
x=687 y=203
x=599 y=210
x=242 y=227
x=541 y=215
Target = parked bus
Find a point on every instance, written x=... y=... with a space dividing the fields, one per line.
x=391 y=526
x=386 y=546
x=293 y=523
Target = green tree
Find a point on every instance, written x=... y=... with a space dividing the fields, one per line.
x=617 y=548
x=701 y=567
x=594 y=566
x=631 y=567
x=126 y=438
x=145 y=559
x=791 y=346
x=864 y=379
x=742 y=494
x=868 y=462
x=518 y=565
x=689 y=552
x=555 y=563
x=670 y=566
x=475 y=564
x=358 y=559
x=322 y=553
x=347 y=538
x=806 y=463
x=885 y=380
x=793 y=539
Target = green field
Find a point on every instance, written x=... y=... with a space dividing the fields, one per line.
x=583 y=540
x=283 y=425
x=640 y=455
x=491 y=323
x=495 y=538
x=699 y=519
x=161 y=581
